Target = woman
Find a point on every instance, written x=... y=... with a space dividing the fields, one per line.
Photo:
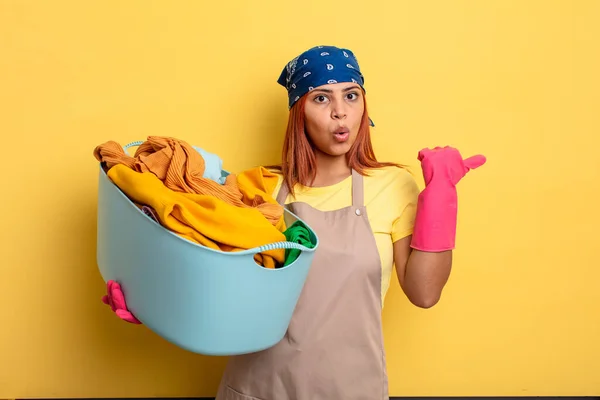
x=369 y=216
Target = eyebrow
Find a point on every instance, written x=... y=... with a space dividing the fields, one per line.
x=343 y=90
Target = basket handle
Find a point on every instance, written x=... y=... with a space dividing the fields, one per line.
x=132 y=144
x=281 y=245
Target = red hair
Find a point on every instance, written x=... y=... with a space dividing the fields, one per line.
x=298 y=157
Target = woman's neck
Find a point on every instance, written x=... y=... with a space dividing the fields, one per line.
x=330 y=170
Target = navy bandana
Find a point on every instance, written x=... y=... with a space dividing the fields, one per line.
x=318 y=66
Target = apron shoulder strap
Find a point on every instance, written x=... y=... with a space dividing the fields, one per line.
x=358 y=196
x=283 y=193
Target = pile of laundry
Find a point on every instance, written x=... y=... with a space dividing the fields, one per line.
x=183 y=188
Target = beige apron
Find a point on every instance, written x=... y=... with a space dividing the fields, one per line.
x=333 y=348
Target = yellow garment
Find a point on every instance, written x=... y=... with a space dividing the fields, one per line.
x=391 y=201
x=181 y=168
x=256 y=186
x=203 y=219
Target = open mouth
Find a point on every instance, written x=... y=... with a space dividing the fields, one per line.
x=341 y=135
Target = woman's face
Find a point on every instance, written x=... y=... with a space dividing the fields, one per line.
x=333 y=114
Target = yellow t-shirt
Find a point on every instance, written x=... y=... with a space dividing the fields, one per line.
x=390 y=196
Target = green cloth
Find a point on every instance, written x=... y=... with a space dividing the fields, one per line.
x=298 y=233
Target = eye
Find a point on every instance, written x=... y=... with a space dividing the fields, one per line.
x=352 y=96
x=320 y=98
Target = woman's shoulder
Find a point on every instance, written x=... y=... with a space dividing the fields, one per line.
x=388 y=174
x=390 y=184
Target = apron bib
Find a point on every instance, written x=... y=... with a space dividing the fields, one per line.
x=333 y=348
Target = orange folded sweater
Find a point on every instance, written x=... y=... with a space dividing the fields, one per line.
x=180 y=167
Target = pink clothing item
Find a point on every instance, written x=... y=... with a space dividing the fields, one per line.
x=116 y=300
x=435 y=221
x=149 y=211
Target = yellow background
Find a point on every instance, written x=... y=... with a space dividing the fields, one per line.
x=514 y=80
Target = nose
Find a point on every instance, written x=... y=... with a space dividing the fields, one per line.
x=338 y=110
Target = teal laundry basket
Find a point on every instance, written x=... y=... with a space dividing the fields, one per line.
x=202 y=300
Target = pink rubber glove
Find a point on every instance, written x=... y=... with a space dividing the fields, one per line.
x=435 y=222
x=116 y=300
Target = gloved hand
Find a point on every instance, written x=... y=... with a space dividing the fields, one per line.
x=435 y=221
x=116 y=300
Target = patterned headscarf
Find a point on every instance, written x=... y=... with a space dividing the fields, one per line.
x=320 y=65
